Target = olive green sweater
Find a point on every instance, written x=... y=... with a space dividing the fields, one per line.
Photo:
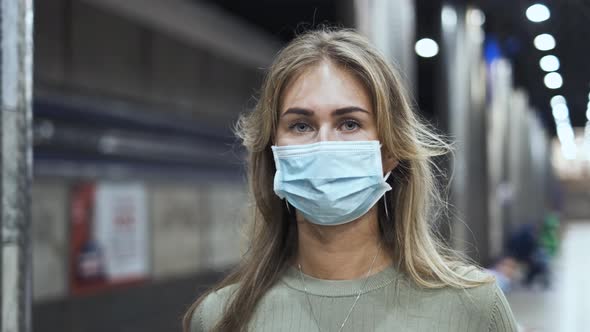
x=390 y=302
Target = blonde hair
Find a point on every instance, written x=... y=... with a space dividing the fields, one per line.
x=414 y=201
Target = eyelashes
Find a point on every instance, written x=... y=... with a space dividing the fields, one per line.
x=346 y=125
x=300 y=127
x=348 y=122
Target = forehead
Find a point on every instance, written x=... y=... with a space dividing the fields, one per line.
x=326 y=86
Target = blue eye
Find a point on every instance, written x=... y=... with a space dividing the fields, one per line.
x=350 y=125
x=300 y=127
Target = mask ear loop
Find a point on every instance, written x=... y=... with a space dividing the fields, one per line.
x=288 y=208
x=385 y=197
x=385 y=205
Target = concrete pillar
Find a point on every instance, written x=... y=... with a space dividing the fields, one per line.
x=16 y=82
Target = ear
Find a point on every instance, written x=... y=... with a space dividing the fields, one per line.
x=389 y=164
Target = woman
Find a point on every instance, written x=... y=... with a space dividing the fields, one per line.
x=341 y=175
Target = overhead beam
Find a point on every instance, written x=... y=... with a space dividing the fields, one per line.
x=201 y=25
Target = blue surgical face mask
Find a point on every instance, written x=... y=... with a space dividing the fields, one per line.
x=331 y=182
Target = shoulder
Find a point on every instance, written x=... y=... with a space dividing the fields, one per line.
x=483 y=305
x=211 y=308
x=492 y=304
x=470 y=297
x=483 y=294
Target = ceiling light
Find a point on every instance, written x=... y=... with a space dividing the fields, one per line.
x=538 y=13
x=560 y=112
x=476 y=17
x=426 y=48
x=558 y=99
x=569 y=151
x=544 y=42
x=565 y=132
x=553 y=80
x=549 y=63
x=448 y=17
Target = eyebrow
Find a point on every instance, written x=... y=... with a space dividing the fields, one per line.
x=338 y=112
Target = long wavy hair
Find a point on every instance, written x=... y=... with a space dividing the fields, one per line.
x=406 y=232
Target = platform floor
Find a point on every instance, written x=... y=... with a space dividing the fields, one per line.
x=565 y=307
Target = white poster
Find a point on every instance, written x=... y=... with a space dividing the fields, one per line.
x=120 y=228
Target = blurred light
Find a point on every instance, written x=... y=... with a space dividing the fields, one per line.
x=549 y=63
x=492 y=49
x=588 y=114
x=558 y=99
x=553 y=80
x=565 y=133
x=538 y=13
x=569 y=151
x=426 y=48
x=448 y=17
x=560 y=112
x=476 y=17
x=565 y=121
x=544 y=42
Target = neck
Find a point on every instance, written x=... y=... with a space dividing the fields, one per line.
x=342 y=252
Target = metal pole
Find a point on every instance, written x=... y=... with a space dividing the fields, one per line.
x=390 y=25
x=455 y=91
x=16 y=143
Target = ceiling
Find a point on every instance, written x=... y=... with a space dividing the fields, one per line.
x=505 y=20
x=570 y=25
x=283 y=18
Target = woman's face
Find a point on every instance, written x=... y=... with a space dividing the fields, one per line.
x=325 y=103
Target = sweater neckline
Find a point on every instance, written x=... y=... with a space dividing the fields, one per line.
x=334 y=288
